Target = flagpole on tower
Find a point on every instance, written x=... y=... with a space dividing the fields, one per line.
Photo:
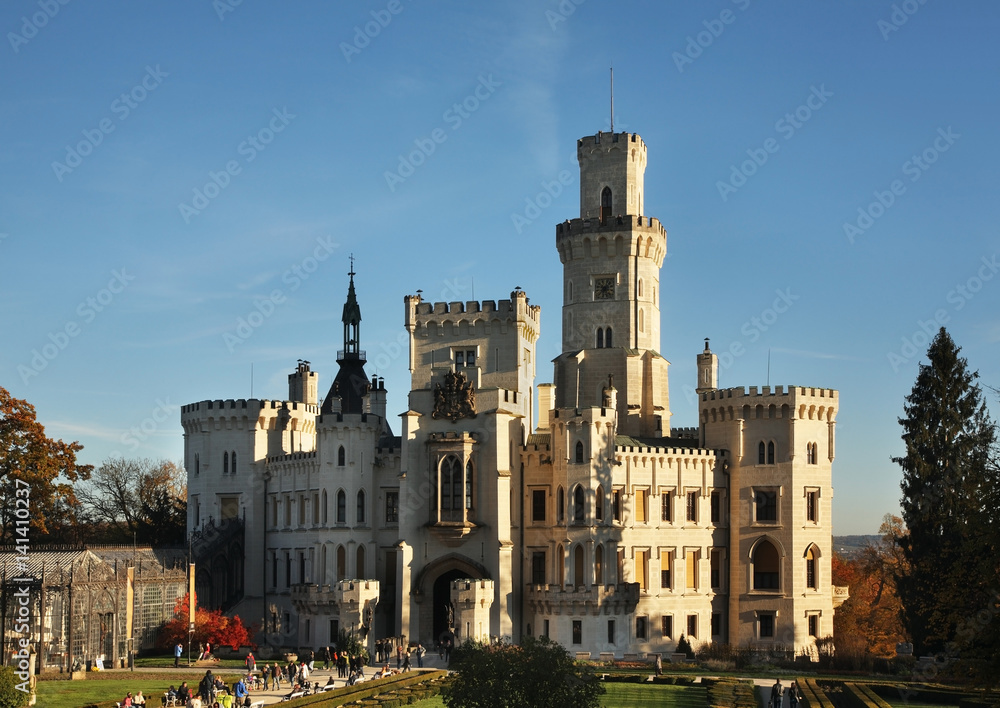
x=612 y=99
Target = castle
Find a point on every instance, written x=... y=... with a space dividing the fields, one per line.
x=593 y=522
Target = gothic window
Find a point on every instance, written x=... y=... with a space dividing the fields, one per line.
x=392 y=507
x=341 y=507
x=341 y=457
x=642 y=321
x=811 y=450
x=599 y=564
x=451 y=489
x=761 y=459
x=225 y=463
x=599 y=505
x=766 y=565
x=605 y=204
x=600 y=338
x=234 y=462
x=811 y=576
x=569 y=291
x=360 y=570
x=341 y=563
x=640 y=287
x=607 y=338
x=361 y=507
x=579 y=452
x=468 y=485
x=770 y=453
x=560 y=505
x=197 y=464
x=578 y=569
x=324 y=508
x=578 y=505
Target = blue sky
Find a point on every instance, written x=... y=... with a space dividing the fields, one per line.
x=168 y=169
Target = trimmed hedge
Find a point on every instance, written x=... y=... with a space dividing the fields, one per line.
x=367 y=691
x=732 y=693
x=812 y=695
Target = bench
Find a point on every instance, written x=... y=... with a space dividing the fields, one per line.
x=583 y=656
x=292 y=696
x=257 y=704
x=607 y=656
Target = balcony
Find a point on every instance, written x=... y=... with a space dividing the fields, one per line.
x=840 y=595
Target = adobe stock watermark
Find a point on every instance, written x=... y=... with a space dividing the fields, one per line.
x=697 y=44
x=751 y=331
x=787 y=127
x=224 y=7
x=87 y=311
x=122 y=108
x=163 y=412
x=900 y=15
x=364 y=34
x=265 y=305
x=454 y=117
x=914 y=169
x=563 y=11
x=248 y=149
x=30 y=26
x=958 y=297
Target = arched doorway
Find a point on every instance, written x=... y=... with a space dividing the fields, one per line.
x=442 y=603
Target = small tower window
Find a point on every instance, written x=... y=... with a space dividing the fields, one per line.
x=361 y=506
x=579 y=452
x=600 y=338
x=761 y=453
x=341 y=456
x=233 y=468
x=605 y=204
x=811 y=580
x=560 y=505
x=640 y=287
x=642 y=321
x=225 y=463
x=607 y=338
x=341 y=507
x=770 y=453
x=578 y=505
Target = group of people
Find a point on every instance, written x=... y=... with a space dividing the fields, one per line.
x=777 y=691
x=137 y=700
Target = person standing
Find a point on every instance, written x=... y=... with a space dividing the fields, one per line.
x=420 y=655
x=399 y=657
x=659 y=665
x=793 y=695
x=406 y=660
x=178 y=650
x=776 y=694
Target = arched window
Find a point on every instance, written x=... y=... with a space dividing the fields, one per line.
x=560 y=505
x=578 y=504
x=605 y=204
x=642 y=321
x=450 y=487
x=360 y=569
x=761 y=454
x=569 y=291
x=578 y=566
x=341 y=457
x=811 y=450
x=579 y=452
x=341 y=507
x=599 y=504
x=599 y=564
x=324 y=508
x=607 y=338
x=766 y=565
x=225 y=463
x=561 y=560
x=341 y=563
x=361 y=508
x=234 y=462
x=770 y=453
x=197 y=464
x=812 y=579
x=600 y=338
x=640 y=287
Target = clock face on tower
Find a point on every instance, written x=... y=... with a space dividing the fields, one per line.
x=604 y=288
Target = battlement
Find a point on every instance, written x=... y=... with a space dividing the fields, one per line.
x=609 y=140
x=243 y=406
x=769 y=391
x=291 y=457
x=691 y=432
x=621 y=222
x=471 y=311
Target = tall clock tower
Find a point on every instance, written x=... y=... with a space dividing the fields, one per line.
x=611 y=258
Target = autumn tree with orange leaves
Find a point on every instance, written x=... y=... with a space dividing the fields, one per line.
x=210 y=627
x=46 y=468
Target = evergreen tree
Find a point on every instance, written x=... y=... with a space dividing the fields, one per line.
x=948 y=476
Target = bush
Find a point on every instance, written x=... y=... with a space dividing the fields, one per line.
x=10 y=695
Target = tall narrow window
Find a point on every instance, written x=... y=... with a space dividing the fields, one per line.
x=197 y=464
x=766 y=563
x=665 y=570
x=392 y=507
x=640 y=505
x=600 y=338
x=560 y=505
x=811 y=556
x=341 y=563
x=642 y=321
x=233 y=468
x=605 y=204
x=578 y=568
x=616 y=505
x=666 y=502
x=361 y=509
x=579 y=452
x=692 y=570
x=692 y=506
x=599 y=504
x=468 y=485
x=341 y=507
x=599 y=564
x=642 y=569
x=451 y=489
x=578 y=505
x=341 y=457
x=812 y=506
x=538 y=505
x=225 y=463
x=361 y=570
x=607 y=338
x=770 y=453
x=538 y=567
x=716 y=506
x=761 y=454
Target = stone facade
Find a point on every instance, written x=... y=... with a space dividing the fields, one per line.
x=596 y=523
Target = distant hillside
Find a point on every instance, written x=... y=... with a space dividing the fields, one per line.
x=849 y=546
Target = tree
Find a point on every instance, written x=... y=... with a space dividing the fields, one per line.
x=47 y=468
x=949 y=482
x=211 y=627
x=535 y=674
x=137 y=499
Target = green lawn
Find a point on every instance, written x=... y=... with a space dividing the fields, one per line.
x=74 y=694
x=631 y=695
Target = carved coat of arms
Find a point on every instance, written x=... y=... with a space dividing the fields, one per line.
x=455 y=399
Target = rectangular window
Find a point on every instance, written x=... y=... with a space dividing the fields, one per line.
x=813 y=625
x=693 y=626
x=334 y=631
x=302 y=567
x=288 y=511
x=616 y=505
x=640 y=505
x=666 y=502
x=692 y=506
x=641 y=627
x=578 y=631
x=716 y=560
x=545 y=628
x=392 y=507
x=315 y=518
x=665 y=569
x=667 y=626
x=765 y=625
x=692 y=569
x=470 y=357
x=459 y=358
x=642 y=569
x=538 y=568
x=611 y=631
x=274 y=512
x=302 y=511
x=308 y=630
x=766 y=506
x=538 y=505
x=274 y=570
x=716 y=624
x=288 y=569
x=716 y=503
x=812 y=509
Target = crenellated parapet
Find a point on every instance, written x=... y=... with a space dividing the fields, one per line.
x=470 y=313
x=792 y=402
x=622 y=235
x=619 y=599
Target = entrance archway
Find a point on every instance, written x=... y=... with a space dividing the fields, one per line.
x=442 y=603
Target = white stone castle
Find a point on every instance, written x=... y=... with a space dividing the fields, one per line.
x=595 y=523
